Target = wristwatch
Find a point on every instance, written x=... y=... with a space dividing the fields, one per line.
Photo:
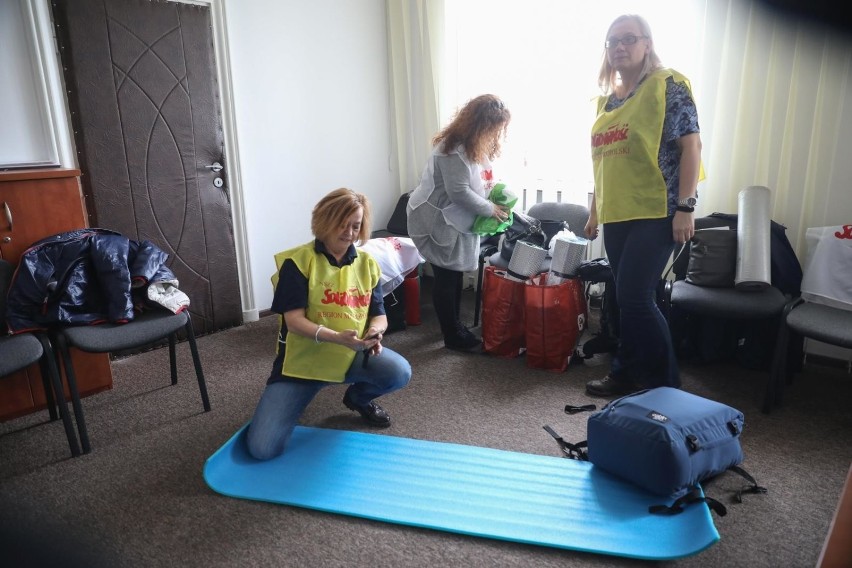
x=686 y=204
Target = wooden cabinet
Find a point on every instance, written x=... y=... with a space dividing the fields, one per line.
x=35 y=204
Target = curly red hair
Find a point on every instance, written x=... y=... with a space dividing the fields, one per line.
x=480 y=125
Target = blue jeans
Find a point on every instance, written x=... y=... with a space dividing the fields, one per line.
x=638 y=252
x=283 y=402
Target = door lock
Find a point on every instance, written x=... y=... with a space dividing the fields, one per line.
x=216 y=167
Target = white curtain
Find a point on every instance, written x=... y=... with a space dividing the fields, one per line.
x=774 y=108
x=415 y=47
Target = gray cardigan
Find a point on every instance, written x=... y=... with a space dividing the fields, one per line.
x=442 y=209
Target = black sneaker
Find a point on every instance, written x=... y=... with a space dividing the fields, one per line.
x=372 y=413
x=461 y=339
x=609 y=386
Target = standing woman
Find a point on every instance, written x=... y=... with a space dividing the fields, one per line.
x=453 y=190
x=646 y=154
x=333 y=318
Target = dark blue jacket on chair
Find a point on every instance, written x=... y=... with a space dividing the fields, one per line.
x=82 y=277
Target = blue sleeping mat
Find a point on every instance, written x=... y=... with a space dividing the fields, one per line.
x=543 y=500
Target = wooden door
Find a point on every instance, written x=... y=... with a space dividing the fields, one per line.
x=142 y=89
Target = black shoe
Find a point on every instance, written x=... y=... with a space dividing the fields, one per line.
x=461 y=339
x=609 y=386
x=372 y=413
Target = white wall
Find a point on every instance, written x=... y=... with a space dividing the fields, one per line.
x=310 y=86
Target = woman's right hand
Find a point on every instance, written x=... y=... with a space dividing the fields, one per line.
x=591 y=228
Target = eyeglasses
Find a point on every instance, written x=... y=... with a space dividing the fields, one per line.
x=629 y=39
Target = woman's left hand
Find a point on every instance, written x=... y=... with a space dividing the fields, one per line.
x=683 y=226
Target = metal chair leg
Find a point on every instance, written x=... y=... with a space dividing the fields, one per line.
x=71 y=377
x=54 y=393
x=774 y=391
x=196 y=361
x=477 y=306
x=173 y=357
x=46 y=384
x=484 y=254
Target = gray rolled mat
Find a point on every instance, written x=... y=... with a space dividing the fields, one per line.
x=568 y=253
x=753 y=239
x=526 y=260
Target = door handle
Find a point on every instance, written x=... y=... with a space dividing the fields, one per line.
x=215 y=166
x=8 y=214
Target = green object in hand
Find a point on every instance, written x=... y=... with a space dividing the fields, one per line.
x=486 y=226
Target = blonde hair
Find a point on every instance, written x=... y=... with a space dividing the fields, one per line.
x=479 y=126
x=607 y=75
x=333 y=210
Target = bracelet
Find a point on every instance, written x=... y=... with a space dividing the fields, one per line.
x=316 y=335
x=685 y=209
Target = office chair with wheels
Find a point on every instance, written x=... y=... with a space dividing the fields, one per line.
x=145 y=329
x=574 y=214
x=22 y=350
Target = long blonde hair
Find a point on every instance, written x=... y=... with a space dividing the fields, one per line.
x=607 y=75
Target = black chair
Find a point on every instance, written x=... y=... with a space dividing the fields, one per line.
x=146 y=329
x=487 y=247
x=723 y=303
x=22 y=350
x=804 y=319
x=574 y=214
x=398 y=223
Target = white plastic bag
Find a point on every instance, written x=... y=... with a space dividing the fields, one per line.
x=827 y=274
x=564 y=234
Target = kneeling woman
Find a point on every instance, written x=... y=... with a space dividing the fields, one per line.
x=331 y=330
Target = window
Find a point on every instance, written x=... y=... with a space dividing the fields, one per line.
x=29 y=71
x=542 y=57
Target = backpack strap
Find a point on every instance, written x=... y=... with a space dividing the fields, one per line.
x=570 y=409
x=692 y=496
x=578 y=451
x=754 y=488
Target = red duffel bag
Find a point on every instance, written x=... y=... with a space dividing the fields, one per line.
x=555 y=316
x=502 y=314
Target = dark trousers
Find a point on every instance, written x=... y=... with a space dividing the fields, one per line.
x=446 y=298
x=638 y=252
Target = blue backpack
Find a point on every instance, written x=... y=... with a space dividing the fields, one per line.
x=666 y=441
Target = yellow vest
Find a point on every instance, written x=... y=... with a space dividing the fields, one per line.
x=339 y=299
x=625 y=153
